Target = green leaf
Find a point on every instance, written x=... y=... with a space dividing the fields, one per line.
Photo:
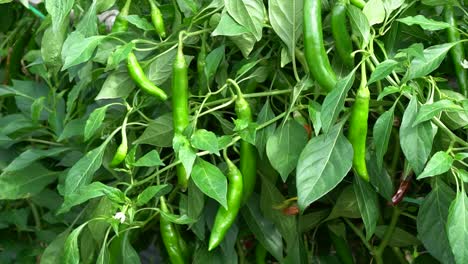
x=431 y=220
x=346 y=205
x=374 y=11
x=368 y=205
x=83 y=171
x=73 y=128
x=266 y=114
x=263 y=229
x=159 y=132
x=210 y=180
x=433 y=57
x=118 y=55
x=88 y=24
x=160 y=70
x=72 y=251
x=315 y=113
x=457 y=227
x=425 y=23
x=270 y=195
x=388 y=90
x=139 y=22
x=94 y=121
x=399 y=238
x=203 y=139
x=227 y=26
x=213 y=60
x=36 y=108
x=379 y=177
x=382 y=70
x=152 y=192
x=150 y=159
x=428 y=111
x=250 y=14
x=415 y=141
x=359 y=24
x=87 y=192
x=322 y=165
x=286 y=20
x=440 y=163
x=121 y=250
x=184 y=152
x=26 y=182
x=59 y=10
x=382 y=132
x=31 y=155
x=284 y=146
x=334 y=101
x=116 y=85
x=54 y=251
x=177 y=219
x=78 y=49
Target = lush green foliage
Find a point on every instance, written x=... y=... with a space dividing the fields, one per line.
x=69 y=100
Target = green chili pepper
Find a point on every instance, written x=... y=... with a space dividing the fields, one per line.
x=343 y=43
x=121 y=151
x=171 y=238
x=180 y=109
x=138 y=75
x=457 y=52
x=157 y=19
x=248 y=153
x=315 y=53
x=357 y=133
x=226 y=217
x=121 y=23
x=358 y=3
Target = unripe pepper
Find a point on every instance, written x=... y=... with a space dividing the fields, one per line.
x=139 y=77
x=248 y=153
x=120 y=23
x=180 y=109
x=343 y=43
x=121 y=151
x=170 y=237
x=226 y=217
x=157 y=19
x=357 y=133
x=316 y=56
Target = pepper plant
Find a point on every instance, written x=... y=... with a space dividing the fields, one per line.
x=196 y=131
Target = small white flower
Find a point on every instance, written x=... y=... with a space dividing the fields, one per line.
x=464 y=64
x=120 y=216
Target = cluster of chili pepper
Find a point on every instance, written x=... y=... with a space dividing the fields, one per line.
x=323 y=73
x=242 y=180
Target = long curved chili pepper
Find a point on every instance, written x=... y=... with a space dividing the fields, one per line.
x=343 y=43
x=226 y=217
x=316 y=56
x=170 y=237
x=357 y=132
x=139 y=77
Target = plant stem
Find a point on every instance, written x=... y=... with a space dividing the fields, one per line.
x=387 y=235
